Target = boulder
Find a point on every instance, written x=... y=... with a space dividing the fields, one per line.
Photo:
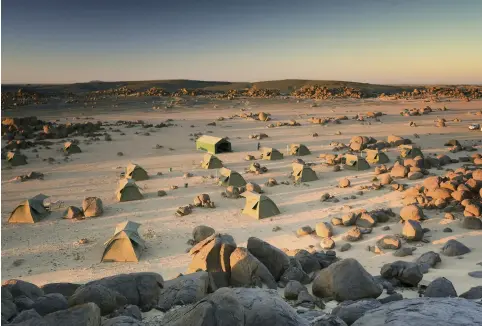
x=412 y=230
x=472 y=223
x=19 y=287
x=49 y=303
x=309 y=262
x=440 y=288
x=473 y=209
x=473 y=293
x=304 y=230
x=353 y=235
x=66 y=289
x=106 y=299
x=82 y=315
x=275 y=260
x=385 y=179
x=201 y=232
x=183 y=290
x=349 y=219
x=432 y=183
x=319 y=318
x=128 y=311
x=140 y=289
x=411 y=212
x=123 y=321
x=345 y=280
x=389 y=242
x=213 y=255
x=324 y=230
x=28 y=318
x=429 y=258
x=23 y=302
x=292 y=289
x=351 y=311
x=327 y=243
x=344 y=183
x=424 y=312
x=399 y=171
x=248 y=271
x=405 y=272
x=454 y=248
x=9 y=309
x=294 y=272
x=415 y=175
x=366 y=220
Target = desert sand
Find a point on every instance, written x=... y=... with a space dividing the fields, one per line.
x=48 y=251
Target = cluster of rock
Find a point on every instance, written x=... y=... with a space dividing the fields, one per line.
x=324 y=121
x=22 y=97
x=323 y=93
x=466 y=93
x=291 y=123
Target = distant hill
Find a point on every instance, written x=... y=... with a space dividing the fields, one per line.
x=285 y=86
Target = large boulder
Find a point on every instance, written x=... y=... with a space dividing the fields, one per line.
x=389 y=242
x=412 y=230
x=9 y=309
x=407 y=273
x=473 y=293
x=201 y=232
x=247 y=270
x=49 y=303
x=412 y=212
x=350 y=311
x=123 y=321
x=429 y=258
x=308 y=261
x=273 y=258
x=294 y=272
x=140 y=289
x=424 y=312
x=183 y=290
x=432 y=183
x=472 y=223
x=213 y=255
x=28 y=318
x=106 y=299
x=454 y=248
x=82 y=315
x=345 y=280
x=440 y=288
x=324 y=230
x=399 y=171
x=366 y=220
x=66 y=289
x=319 y=318
x=19 y=287
x=293 y=289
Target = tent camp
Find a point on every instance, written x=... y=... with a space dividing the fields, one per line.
x=230 y=178
x=410 y=151
x=354 y=162
x=128 y=190
x=299 y=150
x=29 y=211
x=271 y=154
x=259 y=206
x=126 y=245
x=136 y=172
x=71 y=148
x=211 y=162
x=16 y=159
x=303 y=173
x=213 y=145
x=376 y=157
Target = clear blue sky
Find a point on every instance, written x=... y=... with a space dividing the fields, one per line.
x=379 y=41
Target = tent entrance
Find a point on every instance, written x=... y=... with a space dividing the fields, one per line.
x=223 y=147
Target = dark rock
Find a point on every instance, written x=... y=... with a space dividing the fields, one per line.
x=106 y=299
x=19 y=287
x=49 y=303
x=292 y=289
x=9 y=309
x=345 y=247
x=128 y=311
x=66 y=289
x=431 y=258
x=308 y=262
x=275 y=260
x=476 y=274
x=447 y=230
x=403 y=252
x=319 y=318
x=123 y=321
x=202 y=232
x=247 y=270
x=472 y=294
x=23 y=302
x=350 y=311
x=391 y=298
x=294 y=272
x=440 y=288
x=345 y=280
x=472 y=223
x=306 y=300
x=412 y=230
x=454 y=248
x=183 y=290
x=389 y=242
x=82 y=315
x=407 y=273
x=28 y=318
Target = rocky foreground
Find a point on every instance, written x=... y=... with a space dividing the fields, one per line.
x=231 y=285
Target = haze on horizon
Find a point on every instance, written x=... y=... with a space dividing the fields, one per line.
x=376 y=41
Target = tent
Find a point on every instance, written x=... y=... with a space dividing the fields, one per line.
x=213 y=145
x=259 y=206
x=16 y=159
x=376 y=157
x=271 y=154
x=354 y=162
x=126 y=245
x=128 y=190
x=136 y=172
x=410 y=151
x=230 y=178
x=29 y=211
x=71 y=148
x=299 y=150
x=303 y=173
x=211 y=162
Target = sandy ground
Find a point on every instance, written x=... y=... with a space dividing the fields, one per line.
x=47 y=251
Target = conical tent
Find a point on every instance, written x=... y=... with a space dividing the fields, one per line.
x=303 y=173
x=271 y=154
x=354 y=162
x=213 y=145
x=299 y=150
x=259 y=206
x=211 y=162
x=136 y=172
x=16 y=159
x=376 y=157
x=126 y=245
x=410 y=151
x=230 y=178
x=71 y=148
x=128 y=190
x=29 y=211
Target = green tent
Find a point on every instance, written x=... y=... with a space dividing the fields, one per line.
x=230 y=178
x=213 y=145
x=128 y=190
x=303 y=173
x=271 y=154
x=126 y=245
x=211 y=162
x=15 y=159
x=354 y=162
x=136 y=172
x=299 y=150
x=410 y=151
x=259 y=206
x=376 y=157
x=71 y=148
x=29 y=211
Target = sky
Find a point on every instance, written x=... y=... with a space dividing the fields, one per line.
x=376 y=41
